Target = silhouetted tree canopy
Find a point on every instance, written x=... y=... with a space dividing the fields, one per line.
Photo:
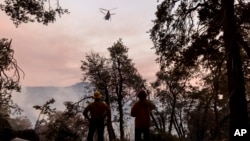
x=24 y=11
x=117 y=78
x=9 y=77
x=20 y=11
x=207 y=36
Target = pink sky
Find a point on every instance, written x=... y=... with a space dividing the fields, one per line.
x=50 y=55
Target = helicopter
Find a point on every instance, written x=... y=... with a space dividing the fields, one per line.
x=107 y=13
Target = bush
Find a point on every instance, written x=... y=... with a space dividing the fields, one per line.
x=157 y=136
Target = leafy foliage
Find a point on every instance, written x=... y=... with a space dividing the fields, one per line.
x=24 y=11
x=68 y=125
x=20 y=11
x=9 y=77
x=193 y=37
x=45 y=110
x=116 y=77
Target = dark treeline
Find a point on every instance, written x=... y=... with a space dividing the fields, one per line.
x=201 y=89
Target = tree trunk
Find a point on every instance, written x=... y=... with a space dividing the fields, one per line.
x=236 y=84
x=173 y=105
x=119 y=90
x=120 y=105
x=216 y=133
x=217 y=73
x=110 y=128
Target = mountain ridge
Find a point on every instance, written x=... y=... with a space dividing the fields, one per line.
x=38 y=95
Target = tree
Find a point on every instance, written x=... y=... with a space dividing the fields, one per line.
x=170 y=86
x=20 y=11
x=9 y=77
x=124 y=79
x=24 y=11
x=97 y=70
x=116 y=77
x=201 y=32
x=56 y=125
x=68 y=125
x=45 y=112
x=236 y=83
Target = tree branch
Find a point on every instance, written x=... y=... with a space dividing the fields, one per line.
x=244 y=44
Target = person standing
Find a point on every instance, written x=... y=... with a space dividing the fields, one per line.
x=96 y=112
x=141 y=110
